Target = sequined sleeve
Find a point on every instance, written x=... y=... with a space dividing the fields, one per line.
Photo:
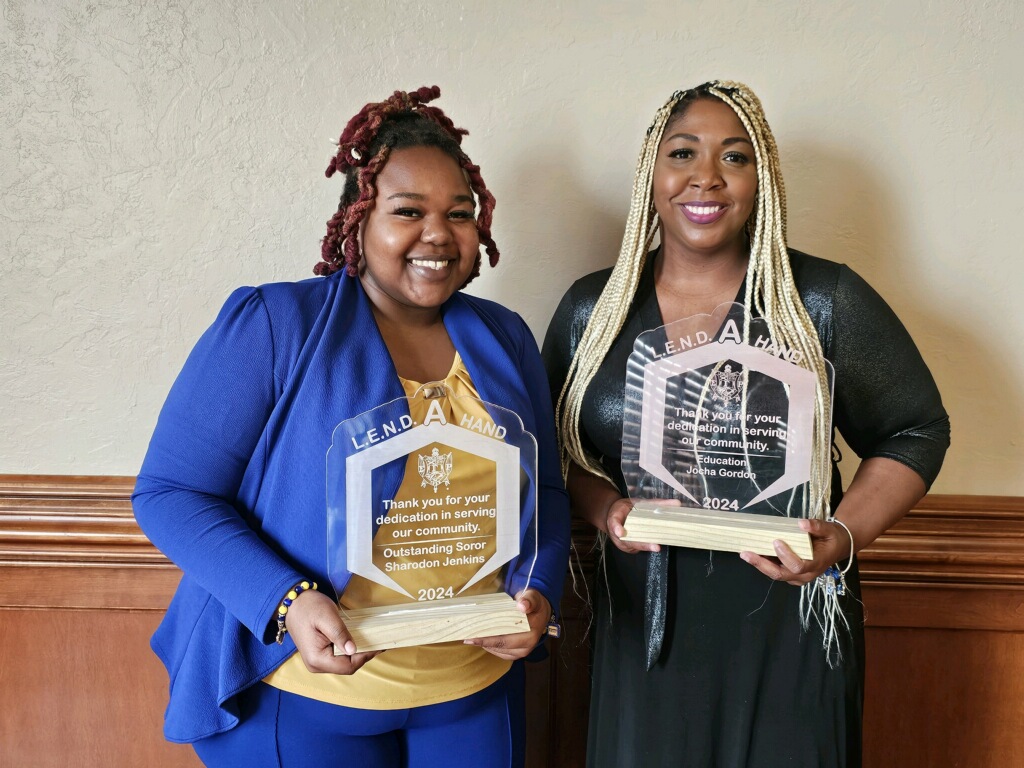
x=886 y=401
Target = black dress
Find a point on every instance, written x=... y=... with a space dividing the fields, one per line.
x=738 y=682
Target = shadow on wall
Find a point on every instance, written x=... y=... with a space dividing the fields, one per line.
x=841 y=208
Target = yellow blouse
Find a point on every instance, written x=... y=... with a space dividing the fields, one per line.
x=426 y=674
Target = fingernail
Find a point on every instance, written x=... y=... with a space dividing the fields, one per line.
x=744 y=557
x=350 y=647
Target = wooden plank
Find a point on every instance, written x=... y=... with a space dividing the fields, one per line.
x=952 y=540
x=989 y=607
x=83 y=688
x=67 y=486
x=439 y=621
x=718 y=530
x=73 y=521
x=25 y=585
x=943 y=698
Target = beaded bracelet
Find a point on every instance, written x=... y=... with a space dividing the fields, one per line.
x=282 y=609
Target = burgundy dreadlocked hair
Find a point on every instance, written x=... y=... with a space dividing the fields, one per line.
x=400 y=121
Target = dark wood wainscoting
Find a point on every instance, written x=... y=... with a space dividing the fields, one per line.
x=81 y=590
x=944 y=599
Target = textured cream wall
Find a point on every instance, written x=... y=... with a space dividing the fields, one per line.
x=155 y=154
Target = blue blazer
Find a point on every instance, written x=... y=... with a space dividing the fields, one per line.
x=233 y=486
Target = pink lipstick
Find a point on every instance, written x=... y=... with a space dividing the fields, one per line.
x=703 y=212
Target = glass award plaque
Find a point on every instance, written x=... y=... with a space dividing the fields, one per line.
x=431 y=509
x=719 y=417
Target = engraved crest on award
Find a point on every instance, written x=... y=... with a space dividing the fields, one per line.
x=435 y=468
x=720 y=417
x=431 y=504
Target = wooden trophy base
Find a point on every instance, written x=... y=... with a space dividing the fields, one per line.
x=715 y=529
x=437 y=621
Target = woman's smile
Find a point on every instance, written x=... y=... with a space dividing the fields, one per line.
x=703 y=212
x=434 y=264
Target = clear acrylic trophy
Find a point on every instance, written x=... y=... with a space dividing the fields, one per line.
x=431 y=515
x=721 y=418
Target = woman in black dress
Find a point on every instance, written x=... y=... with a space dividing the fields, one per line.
x=707 y=659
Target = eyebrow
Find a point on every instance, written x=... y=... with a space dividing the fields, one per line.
x=417 y=196
x=725 y=142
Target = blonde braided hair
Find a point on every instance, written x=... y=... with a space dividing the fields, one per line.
x=770 y=291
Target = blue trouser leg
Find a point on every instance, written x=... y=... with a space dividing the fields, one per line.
x=278 y=729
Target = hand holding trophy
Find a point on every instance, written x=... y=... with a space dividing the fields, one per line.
x=428 y=500
x=719 y=416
